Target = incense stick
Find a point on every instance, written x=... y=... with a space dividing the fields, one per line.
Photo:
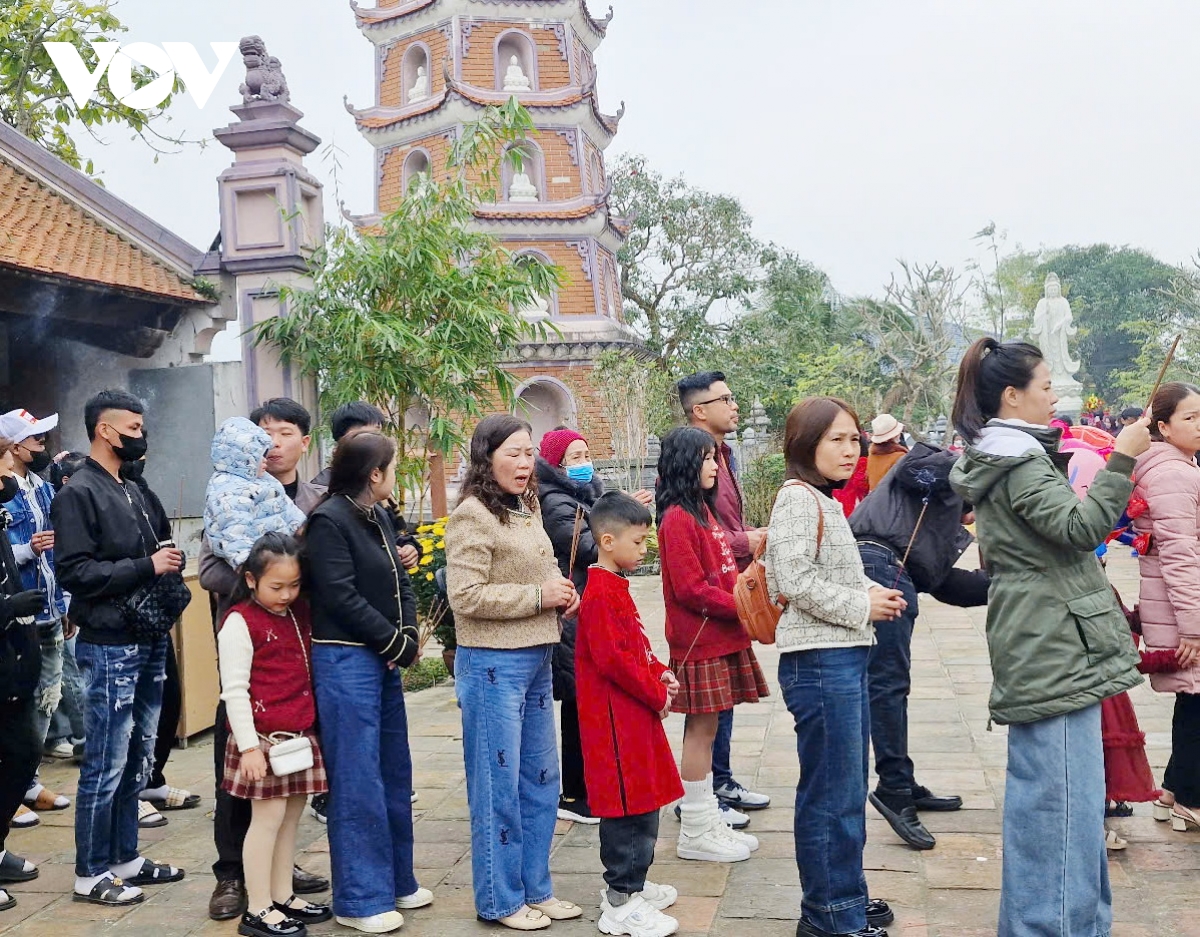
x=1163 y=370
x=575 y=538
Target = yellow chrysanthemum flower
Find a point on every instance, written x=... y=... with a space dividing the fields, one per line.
x=429 y=577
x=441 y=544
x=425 y=561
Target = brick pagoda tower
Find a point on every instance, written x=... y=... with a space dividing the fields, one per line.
x=439 y=63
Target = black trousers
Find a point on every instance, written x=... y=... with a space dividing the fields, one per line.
x=168 y=717
x=573 y=785
x=1182 y=777
x=20 y=754
x=627 y=851
x=231 y=818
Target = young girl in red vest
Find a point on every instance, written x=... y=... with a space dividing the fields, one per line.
x=265 y=646
x=710 y=650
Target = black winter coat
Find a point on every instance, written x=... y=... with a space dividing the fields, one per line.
x=889 y=514
x=361 y=593
x=102 y=549
x=20 y=653
x=560 y=498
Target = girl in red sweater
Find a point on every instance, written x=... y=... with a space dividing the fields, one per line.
x=710 y=651
x=265 y=649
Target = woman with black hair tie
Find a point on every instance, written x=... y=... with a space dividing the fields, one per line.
x=710 y=650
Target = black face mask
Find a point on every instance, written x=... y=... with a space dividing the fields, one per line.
x=133 y=471
x=8 y=489
x=39 y=462
x=132 y=448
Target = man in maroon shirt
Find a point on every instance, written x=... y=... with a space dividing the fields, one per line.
x=709 y=405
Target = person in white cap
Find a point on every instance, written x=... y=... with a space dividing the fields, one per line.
x=32 y=538
x=887 y=448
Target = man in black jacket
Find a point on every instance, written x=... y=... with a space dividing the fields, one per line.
x=910 y=534
x=107 y=547
x=20 y=665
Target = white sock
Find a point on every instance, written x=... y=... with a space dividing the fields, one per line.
x=34 y=789
x=85 y=884
x=155 y=793
x=128 y=869
x=697 y=792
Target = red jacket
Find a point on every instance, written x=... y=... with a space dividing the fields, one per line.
x=698 y=575
x=281 y=687
x=729 y=507
x=627 y=761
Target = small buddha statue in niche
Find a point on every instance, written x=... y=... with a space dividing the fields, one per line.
x=515 y=78
x=420 y=89
x=522 y=189
x=538 y=308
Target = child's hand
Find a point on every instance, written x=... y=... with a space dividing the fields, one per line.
x=666 y=710
x=254 y=765
x=672 y=683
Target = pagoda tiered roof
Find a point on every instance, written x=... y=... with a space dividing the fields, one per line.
x=376 y=17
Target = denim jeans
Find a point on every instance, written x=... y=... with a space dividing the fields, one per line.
x=122 y=696
x=512 y=773
x=627 y=851
x=722 y=774
x=1055 y=879
x=67 y=722
x=826 y=692
x=889 y=673
x=49 y=689
x=364 y=739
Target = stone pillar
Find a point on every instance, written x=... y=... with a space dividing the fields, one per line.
x=272 y=216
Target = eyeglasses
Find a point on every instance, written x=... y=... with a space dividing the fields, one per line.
x=728 y=399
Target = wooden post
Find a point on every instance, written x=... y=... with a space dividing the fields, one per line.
x=437 y=484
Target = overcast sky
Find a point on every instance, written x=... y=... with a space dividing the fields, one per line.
x=854 y=132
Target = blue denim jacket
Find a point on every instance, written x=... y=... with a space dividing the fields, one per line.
x=37 y=572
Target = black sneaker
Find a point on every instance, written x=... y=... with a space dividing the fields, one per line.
x=576 y=810
x=879 y=913
x=806 y=928
x=317 y=807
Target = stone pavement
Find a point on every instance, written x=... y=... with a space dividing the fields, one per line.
x=951 y=891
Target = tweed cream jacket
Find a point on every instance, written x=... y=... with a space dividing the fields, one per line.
x=826 y=590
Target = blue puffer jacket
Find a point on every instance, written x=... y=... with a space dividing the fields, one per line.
x=240 y=505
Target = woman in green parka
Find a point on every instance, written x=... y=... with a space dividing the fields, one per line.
x=1057 y=639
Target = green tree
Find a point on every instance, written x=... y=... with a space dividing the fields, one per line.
x=688 y=263
x=34 y=98
x=418 y=314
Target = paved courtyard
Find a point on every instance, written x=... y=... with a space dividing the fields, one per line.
x=951 y=891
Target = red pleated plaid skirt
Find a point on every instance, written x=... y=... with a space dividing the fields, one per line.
x=719 y=683
x=311 y=781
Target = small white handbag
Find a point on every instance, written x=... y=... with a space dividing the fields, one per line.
x=289 y=753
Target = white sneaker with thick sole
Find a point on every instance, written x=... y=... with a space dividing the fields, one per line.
x=420 y=898
x=734 y=819
x=718 y=818
x=660 y=896
x=375 y=924
x=737 y=796
x=713 y=845
x=636 y=918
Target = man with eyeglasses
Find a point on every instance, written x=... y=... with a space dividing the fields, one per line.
x=709 y=404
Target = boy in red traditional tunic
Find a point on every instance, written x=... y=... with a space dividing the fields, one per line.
x=624 y=694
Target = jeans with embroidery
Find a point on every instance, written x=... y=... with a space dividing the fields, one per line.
x=512 y=773
x=364 y=738
x=122 y=695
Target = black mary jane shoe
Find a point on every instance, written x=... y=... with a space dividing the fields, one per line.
x=806 y=928
x=925 y=799
x=879 y=913
x=253 y=925
x=310 y=914
x=904 y=822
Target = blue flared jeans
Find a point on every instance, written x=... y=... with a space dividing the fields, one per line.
x=512 y=773
x=1055 y=880
x=826 y=692
x=364 y=738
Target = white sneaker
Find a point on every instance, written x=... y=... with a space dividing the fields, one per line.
x=737 y=796
x=660 y=896
x=636 y=918
x=733 y=818
x=718 y=819
x=63 y=750
x=375 y=924
x=713 y=845
x=749 y=839
x=420 y=898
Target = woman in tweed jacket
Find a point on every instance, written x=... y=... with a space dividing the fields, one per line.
x=825 y=634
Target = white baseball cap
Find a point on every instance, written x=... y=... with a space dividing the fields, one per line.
x=19 y=425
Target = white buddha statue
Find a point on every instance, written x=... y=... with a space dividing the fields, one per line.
x=1052 y=326
x=538 y=308
x=420 y=89
x=521 y=189
x=515 y=79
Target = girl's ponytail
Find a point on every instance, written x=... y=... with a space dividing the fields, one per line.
x=986 y=370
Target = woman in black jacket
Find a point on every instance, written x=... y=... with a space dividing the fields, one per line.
x=567 y=488
x=364 y=630
x=20 y=664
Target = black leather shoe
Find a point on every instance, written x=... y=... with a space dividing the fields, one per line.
x=228 y=900
x=309 y=914
x=806 y=928
x=253 y=925
x=904 y=821
x=879 y=913
x=924 y=799
x=306 y=883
